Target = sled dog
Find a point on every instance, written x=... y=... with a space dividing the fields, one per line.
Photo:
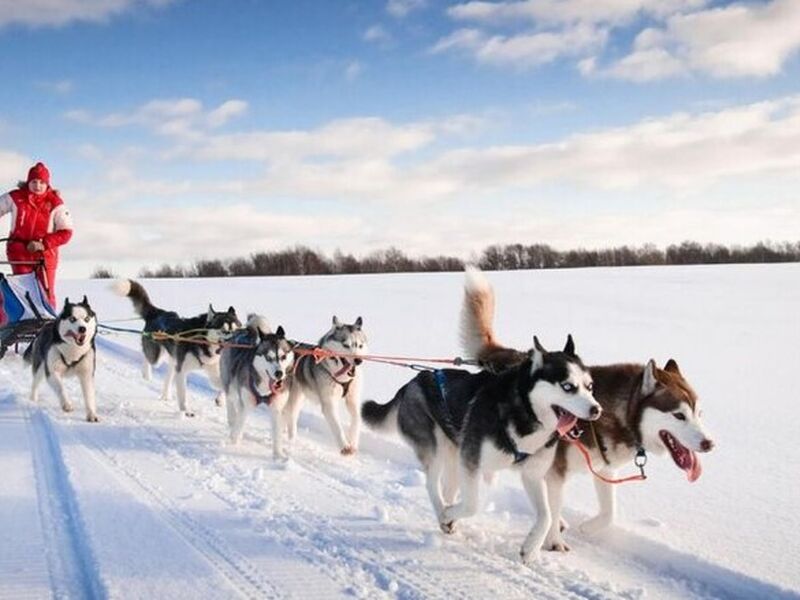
x=255 y=375
x=66 y=347
x=330 y=380
x=464 y=426
x=182 y=357
x=646 y=409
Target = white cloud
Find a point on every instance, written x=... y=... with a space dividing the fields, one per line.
x=377 y=34
x=743 y=39
x=13 y=167
x=563 y=12
x=523 y=50
x=55 y=13
x=353 y=69
x=183 y=117
x=402 y=8
x=61 y=87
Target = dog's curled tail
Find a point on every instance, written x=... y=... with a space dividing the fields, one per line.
x=258 y=323
x=477 y=314
x=137 y=294
x=382 y=417
x=477 y=325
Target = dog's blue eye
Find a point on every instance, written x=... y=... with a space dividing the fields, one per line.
x=568 y=387
x=590 y=386
x=72 y=319
x=679 y=415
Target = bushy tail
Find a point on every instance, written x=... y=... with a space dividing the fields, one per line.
x=477 y=325
x=381 y=416
x=258 y=323
x=477 y=314
x=138 y=295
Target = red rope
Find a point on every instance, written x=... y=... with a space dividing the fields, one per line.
x=585 y=452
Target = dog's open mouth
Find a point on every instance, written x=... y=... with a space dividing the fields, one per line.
x=683 y=457
x=566 y=420
x=80 y=338
x=275 y=386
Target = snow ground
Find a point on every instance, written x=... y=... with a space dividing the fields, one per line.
x=147 y=504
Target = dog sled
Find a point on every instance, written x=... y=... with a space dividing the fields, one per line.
x=24 y=308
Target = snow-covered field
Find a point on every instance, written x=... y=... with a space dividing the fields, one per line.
x=147 y=504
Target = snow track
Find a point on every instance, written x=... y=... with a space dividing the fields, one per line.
x=72 y=564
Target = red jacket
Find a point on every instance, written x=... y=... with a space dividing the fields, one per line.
x=36 y=218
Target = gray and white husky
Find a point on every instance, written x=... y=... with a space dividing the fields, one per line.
x=209 y=328
x=331 y=380
x=466 y=426
x=645 y=410
x=66 y=347
x=255 y=369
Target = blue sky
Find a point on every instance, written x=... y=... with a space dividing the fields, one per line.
x=180 y=129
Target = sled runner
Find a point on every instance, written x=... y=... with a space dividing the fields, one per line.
x=24 y=308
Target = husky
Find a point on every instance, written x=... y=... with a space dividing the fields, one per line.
x=646 y=410
x=466 y=426
x=255 y=369
x=209 y=329
x=66 y=347
x=330 y=380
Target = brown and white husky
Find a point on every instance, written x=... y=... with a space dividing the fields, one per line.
x=645 y=410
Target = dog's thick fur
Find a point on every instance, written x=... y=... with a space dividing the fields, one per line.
x=63 y=348
x=255 y=375
x=182 y=357
x=464 y=427
x=643 y=407
x=330 y=380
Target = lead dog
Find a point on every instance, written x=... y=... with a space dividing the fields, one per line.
x=66 y=347
x=209 y=328
x=464 y=426
x=645 y=409
x=255 y=369
x=331 y=380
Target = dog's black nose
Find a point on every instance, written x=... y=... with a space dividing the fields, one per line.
x=81 y=329
x=594 y=411
x=278 y=374
x=706 y=445
x=358 y=361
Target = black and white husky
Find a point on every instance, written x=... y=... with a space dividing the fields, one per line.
x=331 y=380
x=183 y=357
x=255 y=369
x=646 y=409
x=66 y=347
x=466 y=426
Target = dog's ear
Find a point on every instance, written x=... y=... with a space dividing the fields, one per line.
x=280 y=332
x=537 y=355
x=359 y=322
x=569 y=348
x=336 y=321
x=672 y=367
x=66 y=306
x=210 y=313
x=649 y=381
x=85 y=300
x=231 y=310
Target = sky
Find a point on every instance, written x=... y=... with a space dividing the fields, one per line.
x=179 y=130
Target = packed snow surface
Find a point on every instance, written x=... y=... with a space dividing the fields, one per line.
x=148 y=504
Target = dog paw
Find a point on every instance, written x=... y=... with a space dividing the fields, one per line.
x=218 y=400
x=66 y=407
x=529 y=556
x=348 y=451
x=164 y=398
x=447 y=527
x=556 y=544
x=189 y=413
x=92 y=418
x=595 y=525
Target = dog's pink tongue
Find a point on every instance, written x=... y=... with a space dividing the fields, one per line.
x=566 y=421
x=693 y=473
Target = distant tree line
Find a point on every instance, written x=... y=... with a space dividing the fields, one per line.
x=302 y=260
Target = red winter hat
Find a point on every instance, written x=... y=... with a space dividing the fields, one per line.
x=39 y=171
